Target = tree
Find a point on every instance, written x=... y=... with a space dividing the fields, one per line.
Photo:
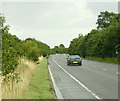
x=73 y=46
x=2 y=21
x=103 y=20
x=61 y=48
x=100 y=43
x=56 y=49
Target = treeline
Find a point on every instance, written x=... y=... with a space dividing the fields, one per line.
x=101 y=42
x=59 y=49
x=1 y=25
x=13 y=48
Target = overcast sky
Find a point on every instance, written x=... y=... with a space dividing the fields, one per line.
x=53 y=23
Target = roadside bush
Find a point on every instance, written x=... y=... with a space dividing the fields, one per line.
x=9 y=60
x=33 y=55
x=13 y=48
x=101 y=42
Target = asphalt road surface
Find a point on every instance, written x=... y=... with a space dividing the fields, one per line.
x=92 y=80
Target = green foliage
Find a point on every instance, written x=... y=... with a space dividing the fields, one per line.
x=99 y=43
x=10 y=45
x=9 y=55
x=104 y=18
x=9 y=60
x=59 y=49
x=40 y=81
x=0 y=49
x=13 y=48
x=73 y=48
x=2 y=20
x=106 y=59
x=14 y=77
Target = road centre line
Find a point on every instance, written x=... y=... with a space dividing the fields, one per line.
x=104 y=69
x=96 y=96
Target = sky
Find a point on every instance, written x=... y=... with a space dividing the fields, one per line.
x=53 y=23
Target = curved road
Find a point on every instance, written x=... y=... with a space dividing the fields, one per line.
x=92 y=80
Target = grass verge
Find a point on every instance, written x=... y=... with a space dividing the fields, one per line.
x=13 y=89
x=107 y=60
x=40 y=85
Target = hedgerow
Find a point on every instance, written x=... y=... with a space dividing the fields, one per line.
x=13 y=48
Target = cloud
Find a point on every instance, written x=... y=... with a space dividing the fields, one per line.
x=51 y=37
x=51 y=22
x=47 y=15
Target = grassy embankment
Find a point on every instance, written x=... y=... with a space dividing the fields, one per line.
x=14 y=90
x=107 y=60
x=34 y=84
x=40 y=84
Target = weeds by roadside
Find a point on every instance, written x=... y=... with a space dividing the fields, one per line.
x=40 y=84
x=13 y=89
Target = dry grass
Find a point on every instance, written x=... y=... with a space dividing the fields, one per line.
x=0 y=88
x=14 y=90
x=40 y=84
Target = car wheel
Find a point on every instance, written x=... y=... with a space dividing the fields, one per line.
x=68 y=64
x=80 y=64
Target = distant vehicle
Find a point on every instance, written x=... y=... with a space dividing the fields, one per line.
x=74 y=59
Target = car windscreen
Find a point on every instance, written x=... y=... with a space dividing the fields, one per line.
x=70 y=58
x=77 y=58
x=74 y=58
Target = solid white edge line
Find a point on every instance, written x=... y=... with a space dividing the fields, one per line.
x=58 y=93
x=96 y=96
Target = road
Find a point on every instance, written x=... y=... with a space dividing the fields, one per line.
x=92 y=80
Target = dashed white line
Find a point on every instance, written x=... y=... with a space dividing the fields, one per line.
x=96 y=96
x=104 y=69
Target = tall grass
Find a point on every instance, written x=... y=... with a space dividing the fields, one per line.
x=14 y=90
x=0 y=88
x=40 y=85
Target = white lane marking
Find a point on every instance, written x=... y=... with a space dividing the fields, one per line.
x=104 y=69
x=58 y=93
x=96 y=96
x=117 y=72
